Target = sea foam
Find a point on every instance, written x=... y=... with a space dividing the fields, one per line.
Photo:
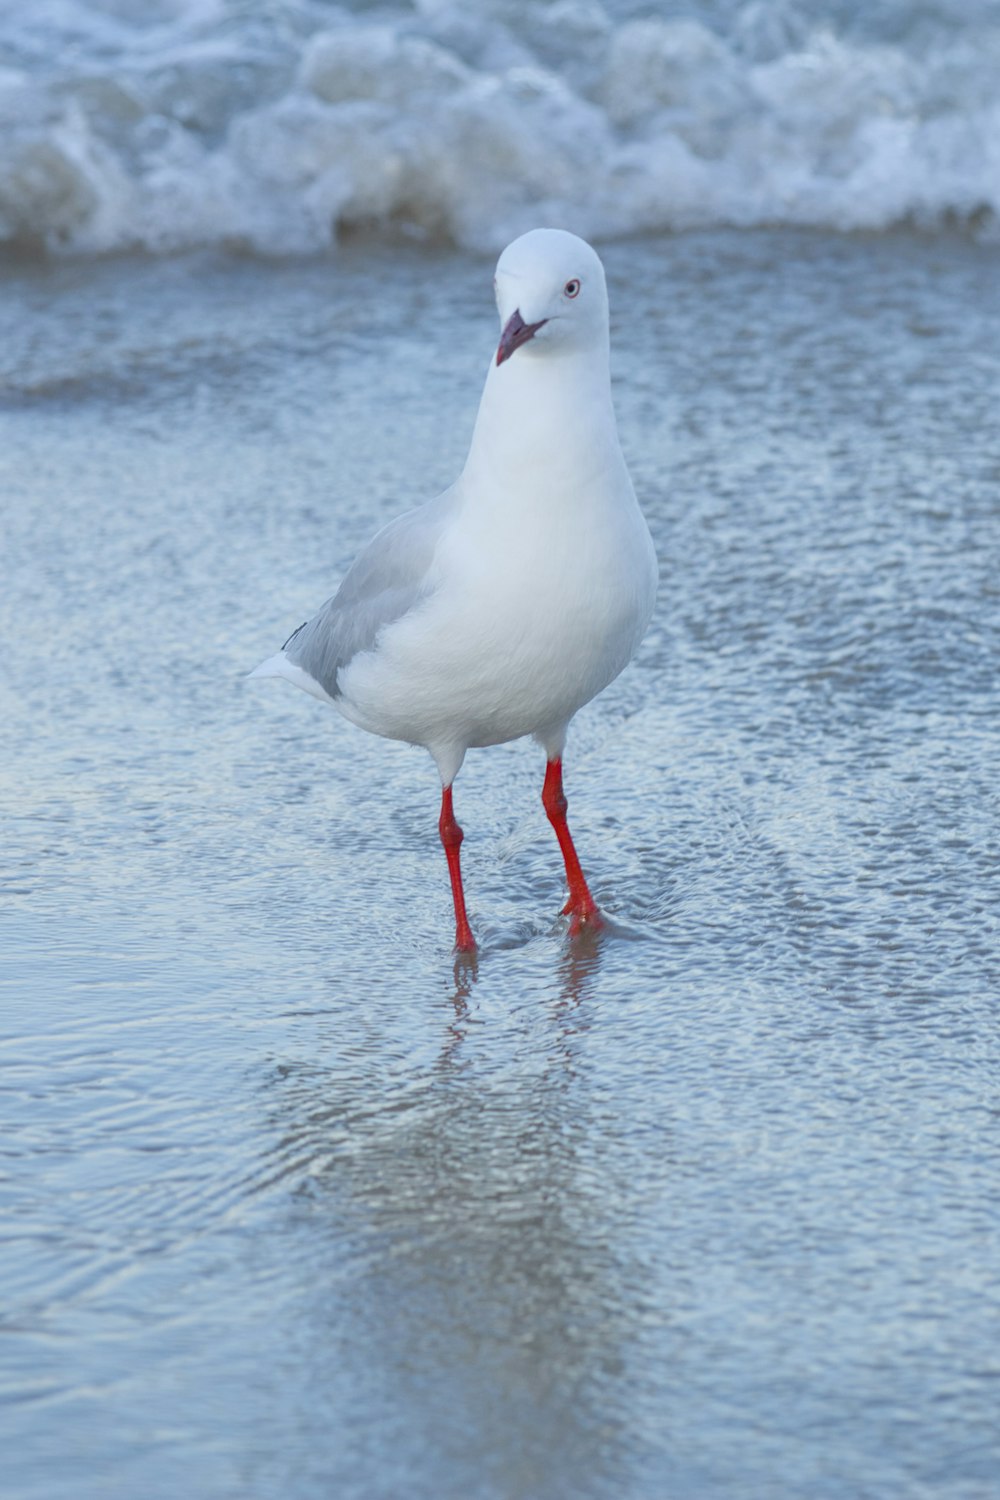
x=278 y=127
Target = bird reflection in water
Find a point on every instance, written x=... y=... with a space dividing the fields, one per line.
x=579 y=965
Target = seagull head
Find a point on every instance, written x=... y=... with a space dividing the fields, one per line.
x=551 y=295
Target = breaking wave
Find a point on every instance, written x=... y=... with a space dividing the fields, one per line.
x=276 y=127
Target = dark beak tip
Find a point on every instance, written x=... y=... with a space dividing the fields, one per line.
x=508 y=337
x=516 y=332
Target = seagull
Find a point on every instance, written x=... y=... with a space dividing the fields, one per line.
x=502 y=606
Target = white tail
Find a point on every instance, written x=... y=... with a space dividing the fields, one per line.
x=280 y=666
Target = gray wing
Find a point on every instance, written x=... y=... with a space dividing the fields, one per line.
x=384 y=583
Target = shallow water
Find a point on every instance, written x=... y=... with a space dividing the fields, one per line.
x=703 y=1207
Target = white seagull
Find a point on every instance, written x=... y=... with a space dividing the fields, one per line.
x=504 y=605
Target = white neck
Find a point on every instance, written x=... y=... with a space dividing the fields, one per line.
x=527 y=403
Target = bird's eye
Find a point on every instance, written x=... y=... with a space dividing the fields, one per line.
x=571 y=288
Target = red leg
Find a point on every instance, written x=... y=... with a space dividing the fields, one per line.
x=451 y=838
x=581 y=905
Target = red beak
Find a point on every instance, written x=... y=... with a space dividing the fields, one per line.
x=516 y=333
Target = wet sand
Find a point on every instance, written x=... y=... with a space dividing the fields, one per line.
x=703 y=1207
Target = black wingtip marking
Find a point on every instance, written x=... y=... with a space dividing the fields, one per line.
x=294 y=633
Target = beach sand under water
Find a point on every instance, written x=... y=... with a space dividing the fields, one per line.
x=702 y=1207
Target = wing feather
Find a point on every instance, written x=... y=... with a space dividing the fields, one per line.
x=385 y=582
